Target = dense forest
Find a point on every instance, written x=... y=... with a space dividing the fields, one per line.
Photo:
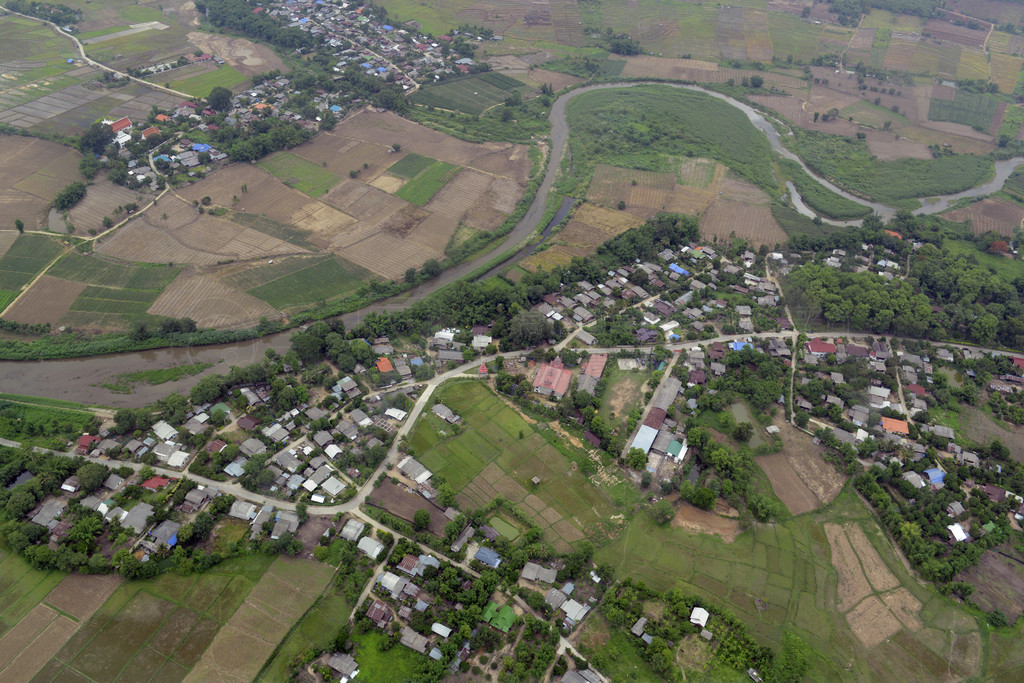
x=238 y=16
x=945 y=295
x=61 y=15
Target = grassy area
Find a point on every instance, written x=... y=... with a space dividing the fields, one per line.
x=46 y=402
x=1012 y=121
x=93 y=270
x=384 y=666
x=41 y=425
x=427 y=183
x=498 y=452
x=268 y=226
x=849 y=163
x=966 y=108
x=623 y=394
x=319 y=281
x=504 y=527
x=303 y=175
x=795 y=223
x=27 y=256
x=124 y=383
x=819 y=197
x=319 y=626
x=1006 y=268
x=6 y=297
x=411 y=165
x=650 y=127
x=225 y=76
x=472 y=95
x=787 y=566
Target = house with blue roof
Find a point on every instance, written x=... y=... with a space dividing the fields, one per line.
x=740 y=345
x=936 y=477
x=335 y=108
x=201 y=147
x=678 y=269
x=488 y=557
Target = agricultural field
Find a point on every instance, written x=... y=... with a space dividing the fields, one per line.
x=799 y=476
x=319 y=625
x=590 y=226
x=996 y=214
x=322 y=279
x=498 y=453
x=210 y=302
x=802 y=575
x=744 y=210
x=270 y=609
x=200 y=85
x=25 y=258
x=32 y=172
x=471 y=95
x=421 y=189
x=966 y=108
x=299 y=173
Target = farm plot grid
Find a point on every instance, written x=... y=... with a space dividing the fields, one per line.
x=966 y=108
x=499 y=453
x=27 y=256
x=472 y=95
x=305 y=281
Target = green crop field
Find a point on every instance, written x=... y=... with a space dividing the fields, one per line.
x=1013 y=119
x=303 y=175
x=268 y=272
x=225 y=76
x=472 y=94
x=427 y=183
x=849 y=163
x=499 y=451
x=6 y=297
x=27 y=256
x=318 y=626
x=787 y=567
x=966 y=108
x=650 y=127
x=411 y=165
x=326 y=279
x=94 y=270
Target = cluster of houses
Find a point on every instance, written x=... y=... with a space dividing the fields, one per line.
x=871 y=258
x=909 y=398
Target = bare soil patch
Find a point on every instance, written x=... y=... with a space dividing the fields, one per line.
x=694 y=519
x=7 y=238
x=992 y=214
x=852 y=584
x=389 y=183
x=905 y=606
x=310 y=532
x=23 y=633
x=100 y=202
x=787 y=484
x=80 y=595
x=824 y=480
x=747 y=220
x=248 y=57
x=553 y=78
x=877 y=573
x=35 y=656
x=46 y=301
x=210 y=302
x=401 y=503
x=871 y=622
x=592 y=225
x=889 y=146
x=32 y=171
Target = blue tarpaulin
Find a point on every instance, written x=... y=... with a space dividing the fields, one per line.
x=200 y=147
x=740 y=345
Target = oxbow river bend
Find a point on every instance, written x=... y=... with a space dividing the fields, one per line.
x=81 y=379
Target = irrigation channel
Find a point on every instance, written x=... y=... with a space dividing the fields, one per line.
x=81 y=379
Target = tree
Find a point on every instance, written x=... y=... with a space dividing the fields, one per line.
x=421 y=519
x=410 y=275
x=743 y=432
x=703 y=497
x=219 y=98
x=91 y=476
x=96 y=138
x=69 y=196
x=790 y=665
x=663 y=512
x=19 y=225
x=998 y=247
x=756 y=81
x=431 y=268
x=636 y=458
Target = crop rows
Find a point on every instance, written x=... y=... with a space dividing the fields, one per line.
x=420 y=189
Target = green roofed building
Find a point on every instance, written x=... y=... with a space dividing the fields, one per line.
x=501 y=619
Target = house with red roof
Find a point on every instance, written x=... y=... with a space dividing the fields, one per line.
x=1018 y=362
x=163 y=118
x=384 y=365
x=85 y=443
x=819 y=348
x=150 y=132
x=121 y=124
x=155 y=483
x=916 y=389
x=552 y=379
x=890 y=233
x=895 y=426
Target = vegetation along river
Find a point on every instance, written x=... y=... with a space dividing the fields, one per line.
x=81 y=379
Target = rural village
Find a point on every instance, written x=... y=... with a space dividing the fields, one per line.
x=568 y=340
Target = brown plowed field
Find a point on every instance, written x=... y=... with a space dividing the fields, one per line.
x=342 y=155
x=1005 y=71
x=871 y=622
x=694 y=519
x=80 y=595
x=209 y=302
x=612 y=183
x=45 y=302
x=33 y=657
x=944 y=30
x=390 y=256
x=387 y=129
x=852 y=584
x=186 y=236
x=593 y=225
x=996 y=214
x=99 y=202
x=887 y=147
x=742 y=209
x=787 y=484
x=879 y=576
x=556 y=80
x=32 y=171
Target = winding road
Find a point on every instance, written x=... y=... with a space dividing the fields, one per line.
x=81 y=379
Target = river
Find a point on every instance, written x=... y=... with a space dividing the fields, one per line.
x=81 y=379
